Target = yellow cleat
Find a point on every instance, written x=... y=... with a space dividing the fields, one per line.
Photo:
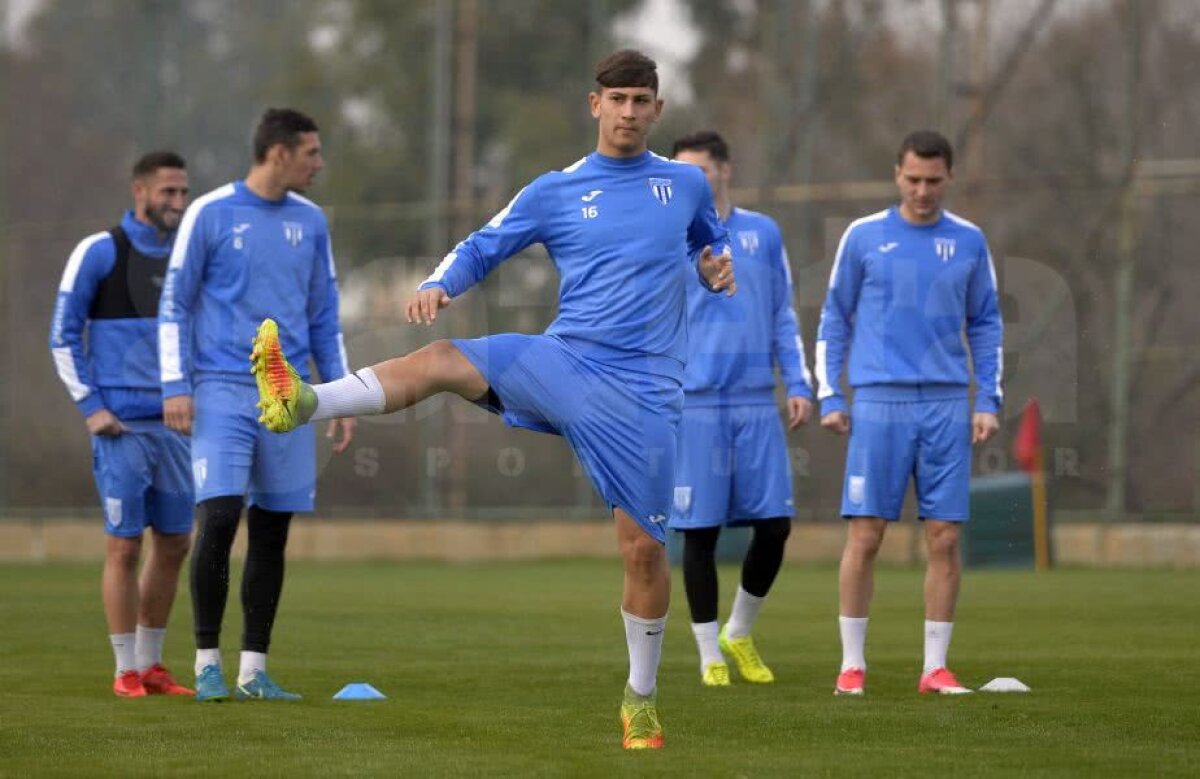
x=639 y=719
x=715 y=675
x=286 y=402
x=745 y=656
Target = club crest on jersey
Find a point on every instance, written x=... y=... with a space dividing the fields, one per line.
x=749 y=240
x=293 y=232
x=944 y=248
x=661 y=189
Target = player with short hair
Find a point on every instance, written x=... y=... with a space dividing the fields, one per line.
x=103 y=344
x=248 y=249
x=906 y=284
x=732 y=467
x=628 y=231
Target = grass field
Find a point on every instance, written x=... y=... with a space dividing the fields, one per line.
x=517 y=669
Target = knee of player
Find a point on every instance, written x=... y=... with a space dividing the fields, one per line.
x=942 y=539
x=864 y=543
x=173 y=548
x=642 y=553
x=774 y=531
x=440 y=367
x=124 y=552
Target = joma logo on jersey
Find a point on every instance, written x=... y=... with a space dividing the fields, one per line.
x=293 y=232
x=749 y=240
x=661 y=189
x=944 y=248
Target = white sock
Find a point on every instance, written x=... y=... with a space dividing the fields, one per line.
x=745 y=611
x=354 y=395
x=205 y=657
x=124 y=651
x=706 y=641
x=644 y=637
x=149 y=646
x=251 y=662
x=854 y=640
x=937 y=643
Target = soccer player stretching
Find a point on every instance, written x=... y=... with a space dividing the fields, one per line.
x=732 y=467
x=628 y=231
x=905 y=283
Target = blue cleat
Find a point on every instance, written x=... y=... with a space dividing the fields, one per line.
x=210 y=685
x=262 y=688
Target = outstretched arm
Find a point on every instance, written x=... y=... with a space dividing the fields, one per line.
x=517 y=226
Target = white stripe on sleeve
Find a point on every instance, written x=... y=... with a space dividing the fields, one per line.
x=64 y=363
x=168 y=351
x=75 y=261
x=823 y=388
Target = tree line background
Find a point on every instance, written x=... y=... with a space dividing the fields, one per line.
x=1074 y=122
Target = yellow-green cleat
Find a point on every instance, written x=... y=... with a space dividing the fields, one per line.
x=715 y=675
x=285 y=401
x=639 y=720
x=750 y=666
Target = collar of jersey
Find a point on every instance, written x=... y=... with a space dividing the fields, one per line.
x=144 y=236
x=619 y=162
x=246 y=192
x=894 y=213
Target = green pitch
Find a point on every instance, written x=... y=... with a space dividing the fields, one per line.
x=517 y=669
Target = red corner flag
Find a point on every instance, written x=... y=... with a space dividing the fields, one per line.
x=1027 y=446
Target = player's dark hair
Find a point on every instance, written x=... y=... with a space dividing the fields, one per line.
x=152 y=161
x=627 y=68
x=280 y=125
x=704 y=140
x=927 y=144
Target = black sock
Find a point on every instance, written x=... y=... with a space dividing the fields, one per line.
x=210 y=566
x=700 y=572
x=765 y=555
x=262 y=580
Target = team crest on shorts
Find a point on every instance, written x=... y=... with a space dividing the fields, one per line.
x=856 y=491
x=200 y=472
x=112 y=511
x=661 y=189
x=683 y=499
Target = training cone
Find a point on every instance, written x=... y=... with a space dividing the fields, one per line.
x=1005 y=684
x=359 y=691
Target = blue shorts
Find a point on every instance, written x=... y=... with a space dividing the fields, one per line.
x=621 y=424
x=143 y=479
x=232 y=454
x=731 y=468
x=928 y=440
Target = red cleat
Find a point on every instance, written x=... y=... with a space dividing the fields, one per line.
x=158 y=681
x=850 y=682
x=941 y=681
x=129 y=685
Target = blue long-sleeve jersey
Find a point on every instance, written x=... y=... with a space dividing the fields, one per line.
x=736 y=342
x=109 y=362
x=237 y=260
x=899 y=297
x=624 y=235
